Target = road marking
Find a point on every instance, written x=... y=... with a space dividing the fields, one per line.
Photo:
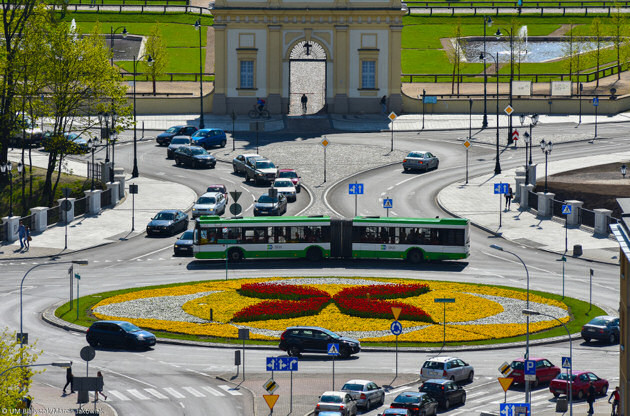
x=130 y=378
x=212 y=391
x=136 y=393
x=230 y=390
x=194 y=392
x=398 y=390
x=156 y=393
x=174 y=393
x=118 y=395
x=153 y=252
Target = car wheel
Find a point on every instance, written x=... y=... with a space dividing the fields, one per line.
x=313 y=254
x=234 y=169
x=612 y=339
x=471 y=376
x=556 y=394
x=246 y=178
x=235 y=255
x=464 y=398
x=414 y=256
x=587 y=340
x=382 y=400
x=345 y=353
x=453 y=378
x=580 y=394
x=437 y=164
x=93 y=343
x=223 y=143
x=294 y=351
x=405 y=169
x=447 y=404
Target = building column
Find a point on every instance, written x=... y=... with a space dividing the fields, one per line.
x=341 y=66
x=219 y=104
x=395 y=85
x=274 y=69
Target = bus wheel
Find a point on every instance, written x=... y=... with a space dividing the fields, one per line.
x=415 y=256
x=235 y=254
x=314 y=254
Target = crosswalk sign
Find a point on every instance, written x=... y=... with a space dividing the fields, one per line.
x=388 y=203
x=566 y=209
x=566 y=362
x=333 y=349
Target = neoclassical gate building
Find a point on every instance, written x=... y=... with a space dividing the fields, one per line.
x=343 y=55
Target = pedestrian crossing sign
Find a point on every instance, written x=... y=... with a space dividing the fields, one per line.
x=566 y=362
x=333 y=349
x=388 y=203
x=566 y=209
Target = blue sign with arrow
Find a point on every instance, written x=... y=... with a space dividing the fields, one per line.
x=355 y=189
x=501 y=188
x=396 y=328
x=514 y=409
x=282 y=364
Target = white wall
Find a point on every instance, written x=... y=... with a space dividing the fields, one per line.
x=233 y=70
x=383 y=61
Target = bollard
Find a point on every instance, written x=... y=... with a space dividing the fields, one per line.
x=577 y=250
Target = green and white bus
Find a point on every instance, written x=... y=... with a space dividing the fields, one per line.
x=318 y=237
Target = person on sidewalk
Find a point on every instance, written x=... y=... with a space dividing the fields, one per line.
x=384 y=104
x=69 y=380
x=100 y=375
x=21 y=234
x=616 y=397
x=304 y=101
x=28 y=238
x=590 y=398
x=508 y=197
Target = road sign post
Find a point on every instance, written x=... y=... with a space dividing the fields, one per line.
x=501 y=189
x=284 y=364
x=243 y=334
x=515 y=137
x=271 y=400
x=566 y=210
x=392 y=116
x=444 y=301
x=396 y=329
x=355 y=189
x=467 y=145
x=333 y=350
x=133 y=190
x=324 y=143
x=505 y=382
x=514 y=409
x=388 y=203
x=596 y=105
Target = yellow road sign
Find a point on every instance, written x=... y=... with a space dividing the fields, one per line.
x=505 y=369
x=467 y=144
x=270 y=386
x=324 y=142
x=392 y=116
x=505 y=382
x=271 y=400
x=396 y=311
x=509 y=110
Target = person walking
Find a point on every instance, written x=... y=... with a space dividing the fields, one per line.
x=21 y=234
x=304 y=101
x=508 y=197
x=100 y=376
x=616 y=397
x=69 y=379
x=590 y=398
x=27 y=239
x=384 y=104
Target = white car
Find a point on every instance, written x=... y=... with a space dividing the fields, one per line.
x=286 y=188
x=210 y=203
x=366 y=393
x=449 y=368
x=337 y=401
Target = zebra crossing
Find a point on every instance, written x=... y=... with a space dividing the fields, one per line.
x=167 y=393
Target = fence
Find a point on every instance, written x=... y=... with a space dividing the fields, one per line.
x=532 y=200
x=128 y=8
x=80 y=206
x=572 y=6
x=131 y=2
x=556 y=208
x=106 y=198
x=53 y=215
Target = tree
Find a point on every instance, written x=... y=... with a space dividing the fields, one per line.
x=455 y=55
x=569 y=51
x=620 y=29
x=14 y=384
x=156 y=49
x=597 y=30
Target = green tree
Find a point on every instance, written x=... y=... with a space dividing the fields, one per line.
x=156 y=49
x=619 y=32
x=597 y=31
x=14 y=384
x=455 y=55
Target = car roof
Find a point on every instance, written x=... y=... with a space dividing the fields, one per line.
x=606 y=317
x=286 y=170
x=438 y=381
x=532 y=358
x=110 y=322
x=442 y=359
x=307 y=327
x=174 y=211
x=181 y=136
x=412 y=393
x=210 y=129
x=218 y=184
x=419 y=151
x=214 y=194
x=393 y=411
x=334 y=393
x=249 y=155
x=358 y=381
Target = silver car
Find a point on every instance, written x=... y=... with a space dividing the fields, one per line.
x=366 y=393
x=447 y=368
x=210 y=203
x=337 y=401
x=176 y=143
x=419 y=160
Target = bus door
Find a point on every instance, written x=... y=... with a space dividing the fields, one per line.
x=341 y=238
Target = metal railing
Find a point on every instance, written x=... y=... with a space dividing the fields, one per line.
x=587 y=217
x=80 y=206
x=129 y=8
x=130 y=2
x=573 y=7
x=556 y=208
x=106 y=198
x=53 y=215
x=169 y=77
x=532 y=200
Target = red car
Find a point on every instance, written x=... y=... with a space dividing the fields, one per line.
x=221 y=189
x=545 y=371
x=291 y=174
x=580 y=380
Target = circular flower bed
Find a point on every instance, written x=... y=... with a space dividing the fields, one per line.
x=357 y=307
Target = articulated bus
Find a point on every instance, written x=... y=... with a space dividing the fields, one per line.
x=318 y=237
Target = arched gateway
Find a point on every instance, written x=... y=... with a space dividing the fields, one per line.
x=344 y=55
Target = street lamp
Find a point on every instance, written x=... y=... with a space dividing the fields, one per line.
x=498 y=34
x=112 y=32
x=530 y=312
x=497 y=247
x=497 y=165
x=623 y=170
x=533 y=120
x=8 y=169
x=487 y=22
x=201 y=123
x=134 y=171
x=546 y=147
x=92 y=145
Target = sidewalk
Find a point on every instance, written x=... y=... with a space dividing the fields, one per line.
x=49 y=400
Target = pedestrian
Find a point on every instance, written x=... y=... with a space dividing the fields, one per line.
x=69 y=379
x=22 y=234
x=28 y=239
x=590 y=398
x=99 y=375
x=508 y=197
x=384 y=104
x=304 y=101
x=616 y=397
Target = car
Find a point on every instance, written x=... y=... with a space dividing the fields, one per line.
x=395 y=412
x=545 y=371
x=286 y=188
x=260 y=171
x=26 y=130
x=118 y=334
x=296 y=340
x=219 y=188
x=446 y=392
x=447 y=368
x=209 y=138
x=604 y=328
x=164 y=139
x=366 y=393
x=291 y=174
x=270 y=205
x=417 y=403
x=195 y=157
x=176 y=142
x=184 y=244
x=420 y=160
x=240 y=162
x=210 y=203
x=579 y=384
x=337 y=401
x=168 y=222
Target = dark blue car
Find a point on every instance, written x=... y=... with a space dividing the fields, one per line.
x=168 y=222
x=604 y=328
x=118 y=334
x=209 y=138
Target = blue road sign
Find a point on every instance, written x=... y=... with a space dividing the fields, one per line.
x=530 y=367
x=396 y=328
x=501 y=188
x=333 y=349
x=355 y=189
x=430 y=99
x=282 y=364
x=514 y=409
x=388 y=203
x=566 y=209
x=566 y=362
x=595 y=101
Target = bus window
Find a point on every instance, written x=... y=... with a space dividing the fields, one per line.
x=203 y=236
x=402 y=236
x=278 y=235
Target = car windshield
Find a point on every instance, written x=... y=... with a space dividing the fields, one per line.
x=182 y=140
x=326 y=398
x=188 y=235
x=172 y=130
x=267 y=199
x=517 y=365
x=287 y=175
x=598 y=321
x=350 y=386
x=282 y=184
x=404 y=398
x=265 y=165
x=202 y=133
x=565 y=376
x=416 y=154
x=206 y=200
x=165 y=216
x=215 y=189
x=129 y=327
x=431 y=387
x=332 y=334
x=198 y=151
x=433 y=365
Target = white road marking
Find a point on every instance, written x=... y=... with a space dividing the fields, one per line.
x=212 y=391
x=230 y=390
x=174 y=393
x=398 y=390
x=118 y=395
x=194 y=392
x=137 y=394
x=156 y=393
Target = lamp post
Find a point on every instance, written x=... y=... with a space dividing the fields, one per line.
x=623 y=170
x=533 y=120
x=497 y=247
x=8 y=169
x=113 y=139
x=497 y=164
x=546 y=147
x=92 y=145
x=112 y=32
x=529 y=313
x=201 y=123
x=102 y=118
x=487 y=22
x=498 y=34
x=134 y=171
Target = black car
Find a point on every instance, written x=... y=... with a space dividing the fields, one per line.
x=446 y=392
x=184 y=244
x=418 y=404
x=118 y=334
x=271 y=205
x=298 y=339
x=164 y=139
x=195 y=157
x=168 y=222
x=605 y=328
